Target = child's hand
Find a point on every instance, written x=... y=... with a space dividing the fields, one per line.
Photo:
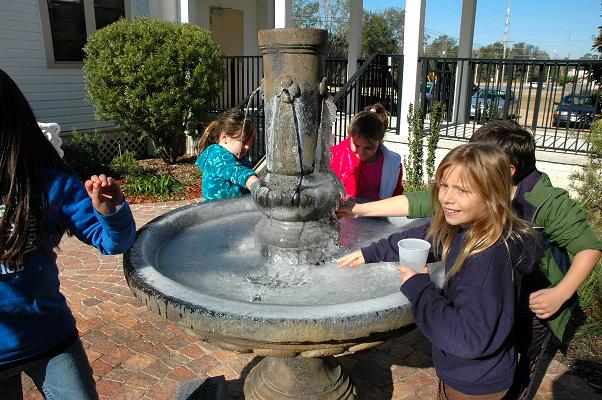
x=105 y=193
x=354 y=259
x=545 y=302
x=345 y=210
x=407 y=272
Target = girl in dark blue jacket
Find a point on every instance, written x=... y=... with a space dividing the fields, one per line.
x=485 y=249
x=40 y=200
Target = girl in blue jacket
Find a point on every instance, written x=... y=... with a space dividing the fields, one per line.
x=485 y=249
x=225 y=168
x=40 y=200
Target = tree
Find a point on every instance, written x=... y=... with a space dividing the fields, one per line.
x=526 y=51
x=443 y=46
x=395 y=18
x=154 y=77
x=331 y=15
x=306 y=14
x=494 y=50
x=377 y=35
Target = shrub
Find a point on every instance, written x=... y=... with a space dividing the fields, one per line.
x=413 y=162
x=588 y=186
x=152 y=185
x=83 y=152
x=125 y=164
x=153 y=77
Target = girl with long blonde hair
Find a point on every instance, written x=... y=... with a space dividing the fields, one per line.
x=485 y=249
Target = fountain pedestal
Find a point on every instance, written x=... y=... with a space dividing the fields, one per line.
x=294 y=378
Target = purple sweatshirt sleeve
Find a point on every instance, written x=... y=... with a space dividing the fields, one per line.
x=387 y=249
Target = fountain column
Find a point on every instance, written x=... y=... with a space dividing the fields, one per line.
x=299 y=192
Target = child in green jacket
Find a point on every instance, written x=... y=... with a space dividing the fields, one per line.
x=547 y=293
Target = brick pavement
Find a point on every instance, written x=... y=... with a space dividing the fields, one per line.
x=137 y=355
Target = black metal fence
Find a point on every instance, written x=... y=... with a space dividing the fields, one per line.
x=556 y=99
x=377 y=80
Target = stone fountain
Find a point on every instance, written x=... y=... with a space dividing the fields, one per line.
x=257 y=274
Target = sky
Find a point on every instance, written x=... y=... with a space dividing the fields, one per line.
x=563 y=28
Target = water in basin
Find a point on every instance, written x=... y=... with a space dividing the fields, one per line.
x=219 y=257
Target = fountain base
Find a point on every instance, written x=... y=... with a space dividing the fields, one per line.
x=295 y=243
x=299 y=377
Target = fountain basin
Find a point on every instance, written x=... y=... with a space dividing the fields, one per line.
x=283 y=326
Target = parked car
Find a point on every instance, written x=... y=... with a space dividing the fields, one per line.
x=489 y=104
x=575 y=110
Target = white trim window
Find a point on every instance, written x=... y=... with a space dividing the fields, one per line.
x=66 y=24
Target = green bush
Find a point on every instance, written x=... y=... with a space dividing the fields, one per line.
x=413 y=162
x=153 y=77
x=125 y=164
x=588 y=186
x=152 y=185
x=83 y=152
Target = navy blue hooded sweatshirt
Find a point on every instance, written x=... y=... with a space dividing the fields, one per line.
x=470 y=321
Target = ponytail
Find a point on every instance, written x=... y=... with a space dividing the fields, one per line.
x=210 y=136
x=382 y=113
x=233 y=123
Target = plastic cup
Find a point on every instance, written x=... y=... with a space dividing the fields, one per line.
x=413 y=253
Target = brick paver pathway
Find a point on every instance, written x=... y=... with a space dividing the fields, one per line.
x=138 y=355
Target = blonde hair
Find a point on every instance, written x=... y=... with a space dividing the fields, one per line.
x=233 y=123
x=486 y=172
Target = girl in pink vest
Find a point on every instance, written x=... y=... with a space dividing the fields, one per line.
x=367 y=169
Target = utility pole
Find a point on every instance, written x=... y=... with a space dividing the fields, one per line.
x=506 y=35
x=507 y=27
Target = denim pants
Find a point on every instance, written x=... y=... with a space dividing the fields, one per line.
x=64 y=376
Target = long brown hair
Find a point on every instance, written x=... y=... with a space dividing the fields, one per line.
x=233 y=123
x=487 y=172
x=25 y=153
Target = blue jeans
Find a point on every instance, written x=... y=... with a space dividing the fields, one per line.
x=65 y=376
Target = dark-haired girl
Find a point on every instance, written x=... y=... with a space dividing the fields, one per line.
x=40 y=200
x=365 y=166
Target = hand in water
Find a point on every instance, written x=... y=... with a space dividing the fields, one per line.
x=345 y=209
x=354 y=259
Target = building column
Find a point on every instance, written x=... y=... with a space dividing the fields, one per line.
x=184 y=16
x=354 y=36
x=270 y=14
x=413 y=37
x=463 y=87
x=283 y=13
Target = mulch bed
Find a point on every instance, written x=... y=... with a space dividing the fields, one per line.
x=185 y=171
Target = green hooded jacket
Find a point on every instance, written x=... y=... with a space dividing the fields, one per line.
x=563 y=221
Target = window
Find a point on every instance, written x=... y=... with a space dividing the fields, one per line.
x=66 y=25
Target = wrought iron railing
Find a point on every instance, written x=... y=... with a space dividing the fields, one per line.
x=377 y=80
x=556 y=99
x=532 y=92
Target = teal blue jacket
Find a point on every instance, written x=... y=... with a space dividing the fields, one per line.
x=223 y=174
x=563 y=221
